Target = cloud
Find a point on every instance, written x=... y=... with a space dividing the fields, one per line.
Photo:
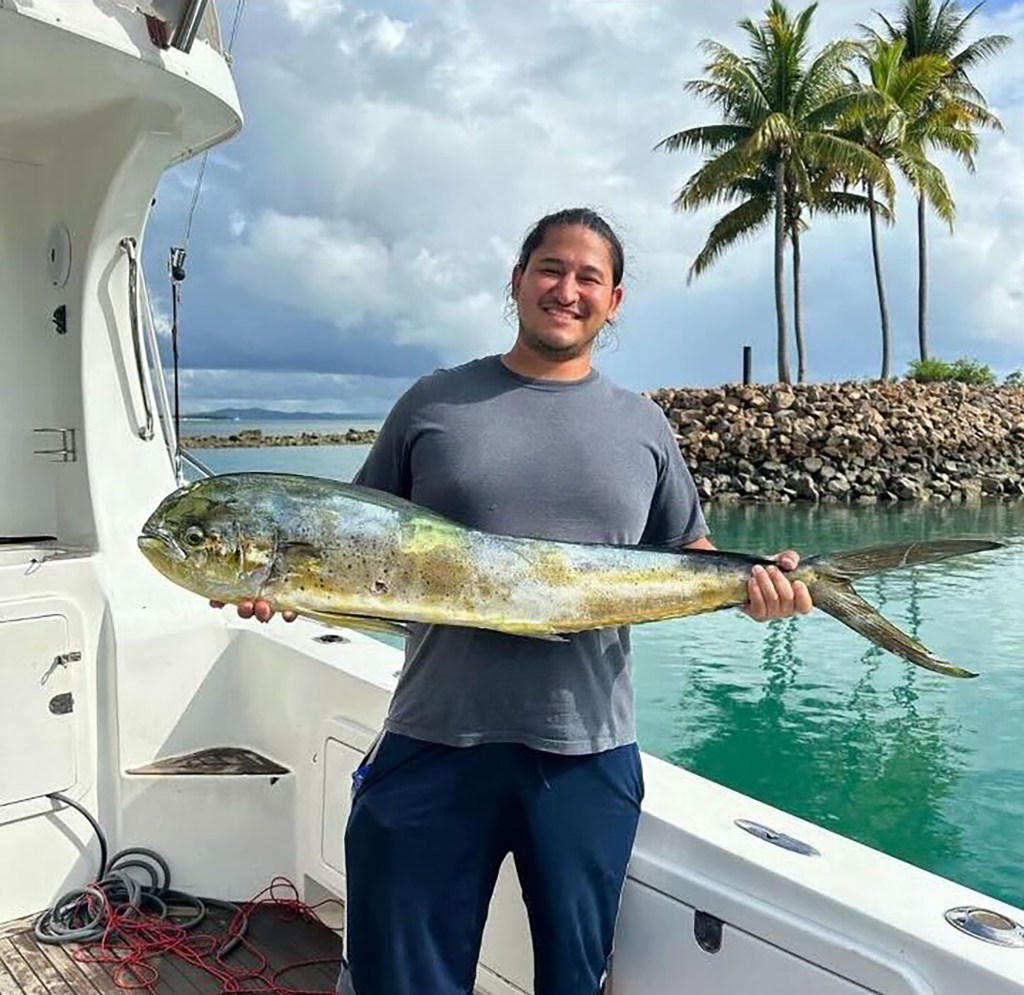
x=204 y=390
x=366 y=220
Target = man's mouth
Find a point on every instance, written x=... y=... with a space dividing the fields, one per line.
x=562 y=312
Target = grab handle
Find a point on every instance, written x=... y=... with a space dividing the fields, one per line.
x=130 y=247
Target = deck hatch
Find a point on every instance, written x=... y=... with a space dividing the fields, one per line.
x=37 y=733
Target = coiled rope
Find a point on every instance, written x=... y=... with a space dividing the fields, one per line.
x=120 y=921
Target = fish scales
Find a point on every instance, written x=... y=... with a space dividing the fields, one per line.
x=348 y=555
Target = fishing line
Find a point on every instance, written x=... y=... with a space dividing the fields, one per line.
x=176 y=261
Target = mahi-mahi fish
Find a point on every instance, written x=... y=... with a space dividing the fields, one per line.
x=347 y=555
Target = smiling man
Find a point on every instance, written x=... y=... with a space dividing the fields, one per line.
x=498 y=744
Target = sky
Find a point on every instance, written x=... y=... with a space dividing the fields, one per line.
x=361 y=229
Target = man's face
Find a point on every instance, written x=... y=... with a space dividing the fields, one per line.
x=565 y=295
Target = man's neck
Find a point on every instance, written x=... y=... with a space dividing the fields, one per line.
x=527 y=363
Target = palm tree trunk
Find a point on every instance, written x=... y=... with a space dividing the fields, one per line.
x=922 y=278
x=780 y=269
x=883 y=304
x=798 y=311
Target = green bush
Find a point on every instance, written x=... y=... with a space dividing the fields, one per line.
x=961 y=370
x=1015 y=379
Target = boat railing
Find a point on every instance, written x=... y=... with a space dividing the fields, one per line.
x=150 y=369
x=194 y=463
x=185 y=19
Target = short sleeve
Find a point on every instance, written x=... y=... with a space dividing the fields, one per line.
x=387 y=466
x=675 y=516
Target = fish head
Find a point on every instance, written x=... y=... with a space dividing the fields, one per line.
x=210 y=538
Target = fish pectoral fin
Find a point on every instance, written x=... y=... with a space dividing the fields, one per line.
x=547 y=637
x=364 y=623
x=843 y=603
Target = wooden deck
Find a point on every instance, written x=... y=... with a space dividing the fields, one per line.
x=28 y=967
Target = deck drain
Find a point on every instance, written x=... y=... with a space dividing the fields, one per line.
x=983 y=924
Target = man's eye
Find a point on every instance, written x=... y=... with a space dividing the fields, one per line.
x=194 y=535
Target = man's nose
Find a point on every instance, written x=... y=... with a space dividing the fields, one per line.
x=566 y=290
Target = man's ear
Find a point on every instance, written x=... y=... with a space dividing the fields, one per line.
x=517 y=278
x=616 y=302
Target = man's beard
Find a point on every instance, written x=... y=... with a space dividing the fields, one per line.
x=573 y=351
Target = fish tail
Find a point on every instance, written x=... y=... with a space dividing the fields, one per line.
x=857 y=563
x=832 y=591
x=838 y=598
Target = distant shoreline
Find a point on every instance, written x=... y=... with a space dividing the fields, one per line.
x=255 y=438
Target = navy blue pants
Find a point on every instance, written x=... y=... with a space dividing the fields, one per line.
x=429 y=828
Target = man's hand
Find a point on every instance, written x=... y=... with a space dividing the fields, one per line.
x=771 y=593
x=259 y=609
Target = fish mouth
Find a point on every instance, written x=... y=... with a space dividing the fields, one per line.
x=153 y=539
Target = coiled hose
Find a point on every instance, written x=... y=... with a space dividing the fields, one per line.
x=84 y=915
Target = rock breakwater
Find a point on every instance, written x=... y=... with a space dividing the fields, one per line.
x=254 y=437
x=854 y=442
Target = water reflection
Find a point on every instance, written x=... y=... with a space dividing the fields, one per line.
x=871 y=766
x=809 y=717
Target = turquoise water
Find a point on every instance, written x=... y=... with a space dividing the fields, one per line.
x=809 y=717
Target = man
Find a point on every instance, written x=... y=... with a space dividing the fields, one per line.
x=498 y=744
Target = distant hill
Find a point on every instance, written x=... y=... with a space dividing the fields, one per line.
x=269 y=414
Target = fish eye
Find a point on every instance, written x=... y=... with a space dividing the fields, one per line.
x=194 y=535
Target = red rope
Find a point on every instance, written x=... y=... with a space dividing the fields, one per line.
x=134 y=939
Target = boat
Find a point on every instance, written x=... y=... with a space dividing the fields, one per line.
x=229 y=747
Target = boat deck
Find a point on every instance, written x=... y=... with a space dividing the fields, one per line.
x=28 y=967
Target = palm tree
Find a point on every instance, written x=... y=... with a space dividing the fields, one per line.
x=754 y=212
x=779 y=110
x=928 y=29
x=897 y=130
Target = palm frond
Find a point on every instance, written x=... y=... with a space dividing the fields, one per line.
x=844 y=109
x=980 y=51
x=742 y=222
x=823 y=78
x=708 y=138
x=849 y=159
x=712 y=183
x=841 y=202
x=774 y=132
x=741 y=100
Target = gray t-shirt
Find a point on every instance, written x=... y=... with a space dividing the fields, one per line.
x=582 y=461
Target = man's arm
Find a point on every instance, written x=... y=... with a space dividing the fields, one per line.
x=771 y=593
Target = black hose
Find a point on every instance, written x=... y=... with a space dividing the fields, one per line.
x=81 y=915
x=57 y=796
